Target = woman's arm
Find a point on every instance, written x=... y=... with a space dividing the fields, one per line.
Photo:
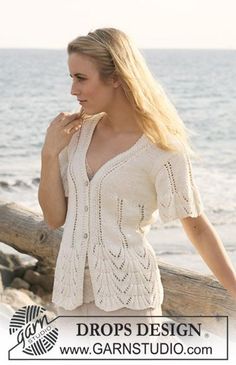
x=209 y=245
x=51 y=193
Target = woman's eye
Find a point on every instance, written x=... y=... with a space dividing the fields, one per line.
x=80 y=78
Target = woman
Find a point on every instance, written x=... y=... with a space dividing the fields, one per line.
x=106 y=173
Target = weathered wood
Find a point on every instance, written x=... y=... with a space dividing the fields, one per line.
x=26 y=231
x=186 y=293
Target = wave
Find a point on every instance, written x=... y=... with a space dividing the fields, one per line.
x=19 y=183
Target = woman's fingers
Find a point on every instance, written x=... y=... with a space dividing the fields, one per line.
x=68 y=121
x=74 y=126
x=67 y=118
x=60 y=117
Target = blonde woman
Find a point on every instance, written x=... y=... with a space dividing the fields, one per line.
x=106 y=174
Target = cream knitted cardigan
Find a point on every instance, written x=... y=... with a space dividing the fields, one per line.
x=110 y=216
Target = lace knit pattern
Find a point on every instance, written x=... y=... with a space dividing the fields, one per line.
x=88 y=289
x=109 y=216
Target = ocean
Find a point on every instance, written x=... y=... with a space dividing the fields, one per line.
x=35 y=87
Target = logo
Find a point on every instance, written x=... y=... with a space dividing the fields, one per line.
x=33 y=330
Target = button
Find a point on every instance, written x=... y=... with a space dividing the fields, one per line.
x=86 y=183
x=86 y=235
x=86 y=208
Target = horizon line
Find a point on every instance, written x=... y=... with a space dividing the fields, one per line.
x=143 y=48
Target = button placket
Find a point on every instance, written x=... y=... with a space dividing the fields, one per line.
x=86 y=209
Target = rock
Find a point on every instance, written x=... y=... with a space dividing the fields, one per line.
x=16 y=260
x=5 y=260
x=35 y=278
x=29 y=293
x=7 y=275
x=16 y=298
x=47 y=298
x=45 y=270
x=1 y=284
x=20 y=270
x=46 y=282
x=37 y=289
x=19 y=298
x=7 y=310
x=10 y=260
x=19 y=283
x=24 y=284
x=5 y=185
x=33 y=296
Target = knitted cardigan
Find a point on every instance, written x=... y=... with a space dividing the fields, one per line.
x=109 y=217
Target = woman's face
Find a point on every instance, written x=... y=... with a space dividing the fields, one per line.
x=86 y=85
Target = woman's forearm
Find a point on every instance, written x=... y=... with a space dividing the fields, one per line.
x=51 y=193
x=211 y=249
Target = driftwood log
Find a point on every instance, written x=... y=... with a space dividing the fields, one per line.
x=187 y=293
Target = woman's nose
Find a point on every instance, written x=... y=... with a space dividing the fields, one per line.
x=74 y=89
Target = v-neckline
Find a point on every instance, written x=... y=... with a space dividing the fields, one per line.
x=112 y=160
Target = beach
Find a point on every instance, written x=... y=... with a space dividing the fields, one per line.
x=205 y=103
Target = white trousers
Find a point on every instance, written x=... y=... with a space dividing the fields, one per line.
x=90 y=309
x=90 y=316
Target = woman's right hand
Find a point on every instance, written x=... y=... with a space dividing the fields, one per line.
x=60 y=132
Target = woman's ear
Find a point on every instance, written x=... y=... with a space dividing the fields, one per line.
x=116 y=80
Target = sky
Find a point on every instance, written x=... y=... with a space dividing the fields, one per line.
x=51 y=24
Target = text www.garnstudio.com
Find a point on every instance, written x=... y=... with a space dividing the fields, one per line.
x=136 y=348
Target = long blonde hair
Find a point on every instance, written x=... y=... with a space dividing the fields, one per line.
x=115 y=54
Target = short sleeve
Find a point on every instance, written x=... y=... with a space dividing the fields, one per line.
x=177 y=194
x=63 y=163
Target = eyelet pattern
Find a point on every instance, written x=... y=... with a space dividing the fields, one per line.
x=179 y=196
x=107 y=225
